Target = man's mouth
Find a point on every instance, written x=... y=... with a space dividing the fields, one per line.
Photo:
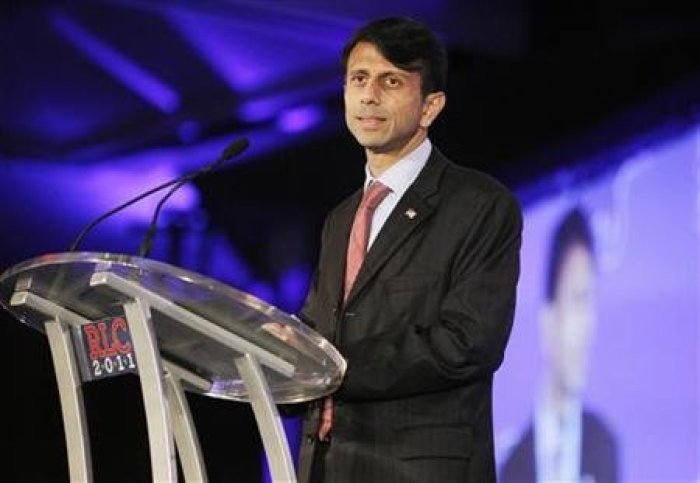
x=370 y=121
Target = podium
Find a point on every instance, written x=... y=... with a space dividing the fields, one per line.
x=108 y=314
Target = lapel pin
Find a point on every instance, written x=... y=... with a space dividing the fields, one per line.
x=411 y=213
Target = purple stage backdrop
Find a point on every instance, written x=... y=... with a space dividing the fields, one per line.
x=644 y=366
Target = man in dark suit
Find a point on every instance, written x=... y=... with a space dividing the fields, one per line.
x=425 y=324
x=566 y=442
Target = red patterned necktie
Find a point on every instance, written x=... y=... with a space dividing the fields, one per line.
x=357 y=248
x=359 y=235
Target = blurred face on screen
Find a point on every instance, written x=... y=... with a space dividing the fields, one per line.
x=569 y=321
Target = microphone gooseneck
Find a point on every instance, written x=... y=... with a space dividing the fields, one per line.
x=233 y=149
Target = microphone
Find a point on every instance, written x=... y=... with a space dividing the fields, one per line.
x=233 y=149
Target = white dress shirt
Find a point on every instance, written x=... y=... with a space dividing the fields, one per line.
x=558 y=442
x=398 y=177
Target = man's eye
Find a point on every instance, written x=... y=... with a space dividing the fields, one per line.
x=357 y=79
x=392 y=81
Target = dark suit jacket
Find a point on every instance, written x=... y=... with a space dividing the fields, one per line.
x=423 y=330
x=598 y=454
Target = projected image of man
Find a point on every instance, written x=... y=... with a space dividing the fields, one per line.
x=566 y=441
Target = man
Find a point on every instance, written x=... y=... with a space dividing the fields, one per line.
x=566 y=442
x=424 y=325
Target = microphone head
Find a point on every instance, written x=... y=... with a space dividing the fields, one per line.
x=235 y=148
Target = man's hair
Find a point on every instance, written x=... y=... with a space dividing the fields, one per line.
x=409 y=45
x=573 y=230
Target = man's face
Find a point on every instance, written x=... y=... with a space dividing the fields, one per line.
x=384 y=107
x=571 y=321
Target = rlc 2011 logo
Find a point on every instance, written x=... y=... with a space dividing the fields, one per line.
x=107 y=338
x=109 y=348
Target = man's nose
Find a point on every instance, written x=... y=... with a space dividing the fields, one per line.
x=370 y=93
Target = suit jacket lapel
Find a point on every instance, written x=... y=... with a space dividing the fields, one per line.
x=338 y=242
x=412 y=210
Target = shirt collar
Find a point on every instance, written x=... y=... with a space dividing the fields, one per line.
x=404 y=172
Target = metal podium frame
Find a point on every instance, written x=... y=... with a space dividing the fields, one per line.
x=168 y=417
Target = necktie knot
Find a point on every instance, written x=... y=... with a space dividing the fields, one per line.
x=374 y=195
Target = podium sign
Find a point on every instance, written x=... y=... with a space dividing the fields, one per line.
x=109 y=314
x=107 y=348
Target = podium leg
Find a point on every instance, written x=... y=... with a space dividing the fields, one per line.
x=160 y=437
x=185 y=432
x=58 y=320
x=273 y=436
x=72 y=406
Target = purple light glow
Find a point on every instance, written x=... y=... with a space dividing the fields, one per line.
x=292 y=429
x=244 y=65
x=146 y=85
x=56 y=124
x=189 y=131
x=299 y=119
x=59 y=200
x=108 y=187
x=262 y=290
x=267 y=107
x=292 y=287
x=250 y=55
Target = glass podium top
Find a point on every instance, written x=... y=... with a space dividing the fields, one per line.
x=201 y=325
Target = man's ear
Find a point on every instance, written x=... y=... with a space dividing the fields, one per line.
x=432 y=106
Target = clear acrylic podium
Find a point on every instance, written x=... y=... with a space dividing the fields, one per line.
x=109 y=314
